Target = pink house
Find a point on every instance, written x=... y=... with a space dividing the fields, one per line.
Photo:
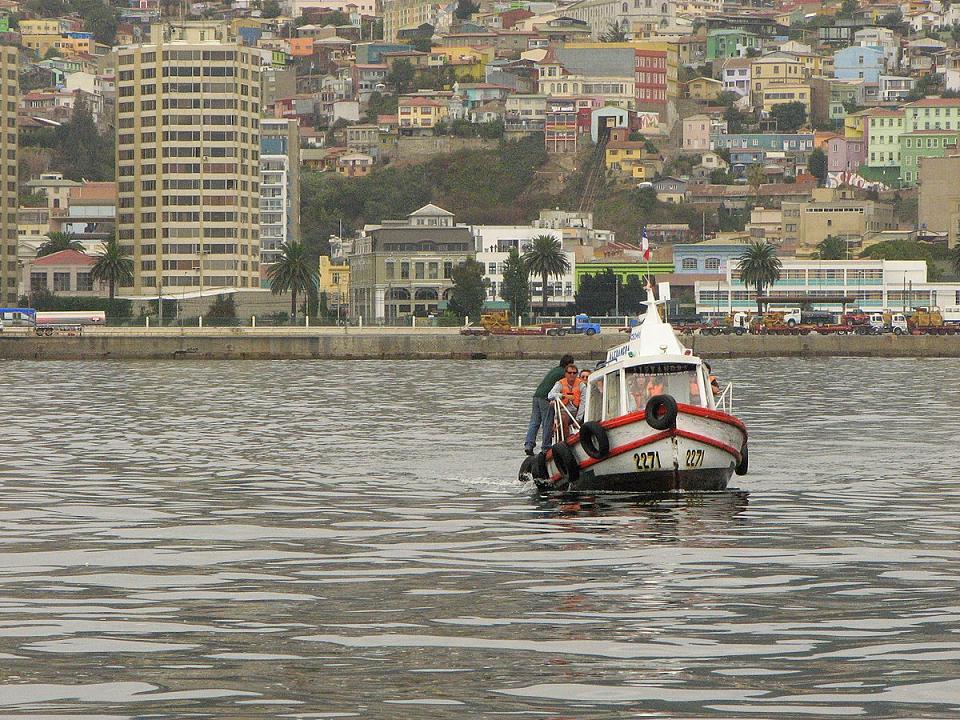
x=846 y=154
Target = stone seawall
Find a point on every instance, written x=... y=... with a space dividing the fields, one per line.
x=404 y=343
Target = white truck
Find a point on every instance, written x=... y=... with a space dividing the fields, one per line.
x=889 y=321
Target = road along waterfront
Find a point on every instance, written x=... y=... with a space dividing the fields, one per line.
x=118 y=343
x=348 y=539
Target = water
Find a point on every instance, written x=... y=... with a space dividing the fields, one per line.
x=323 y=539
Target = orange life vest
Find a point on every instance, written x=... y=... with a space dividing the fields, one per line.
x=565 y=388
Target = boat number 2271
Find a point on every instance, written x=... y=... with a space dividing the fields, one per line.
x=694 y=458
x=647 y=460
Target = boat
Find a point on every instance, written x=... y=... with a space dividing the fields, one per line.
x=652 y=423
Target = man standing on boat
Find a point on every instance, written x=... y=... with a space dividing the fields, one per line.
x=541 y=414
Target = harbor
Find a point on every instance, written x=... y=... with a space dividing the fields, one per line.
x=263 y=540
x=345 y=343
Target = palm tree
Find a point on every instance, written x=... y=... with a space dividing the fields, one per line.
x=544 y=257
x=294 y=272
x=113 y=266
x=832 y=248
x=955 y=259
x=57 y=241
x=759 y=266
x=614 y=34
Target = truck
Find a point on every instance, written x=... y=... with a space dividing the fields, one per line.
x=929 y=321
x=888 y=322
x=498 y=323
x=582 y=325
x=737 y=323
x=776 y=323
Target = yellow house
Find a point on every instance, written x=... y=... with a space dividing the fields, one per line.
x=335 y=282
x=782 y=94
x=417 y=113
x=704 y=89
x=853 y=125
x=626 y=157
x=40 y=27
x=72 y=45
x=778 y=78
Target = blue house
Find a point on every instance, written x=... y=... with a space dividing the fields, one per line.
x=859 y=63
x=706 y=257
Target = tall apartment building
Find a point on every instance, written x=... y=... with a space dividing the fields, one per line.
x=279 y=186
x=188 y=159
x=8 y=161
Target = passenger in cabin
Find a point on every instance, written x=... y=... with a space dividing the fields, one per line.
x=569 y=391
x=584 y=376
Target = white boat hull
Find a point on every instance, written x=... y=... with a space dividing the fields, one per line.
x=700 y=453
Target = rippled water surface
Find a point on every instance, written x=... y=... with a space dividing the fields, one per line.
x=347 y=539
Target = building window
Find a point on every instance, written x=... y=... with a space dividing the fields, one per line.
x=689 y=264
x=84 y=282
x=712 y=263
x=404 y=271
x=61 y=282
x=38 y=281
x=390 y=269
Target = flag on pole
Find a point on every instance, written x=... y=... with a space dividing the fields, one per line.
x=645 y=244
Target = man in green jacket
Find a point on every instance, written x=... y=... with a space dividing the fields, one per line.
x=542 y=412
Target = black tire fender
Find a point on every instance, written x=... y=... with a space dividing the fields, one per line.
x=594 y=440
x=526 y=469
x=744 y=463
x=566 y=462
x=661 y=412
x=540 y=466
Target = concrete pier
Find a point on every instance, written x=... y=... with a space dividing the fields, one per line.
x=428 y=343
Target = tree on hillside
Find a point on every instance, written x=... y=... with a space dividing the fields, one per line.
x=271 y=9
x=379 y=104
x=58 y=241
x=545 y=257
x=469 y=290
x=515 y=288
x=401 y=76
x=759 y=267
x=465 y=8
x=832 y=248
x=294 y=272
x=735 y=119
x=755 y=178
x=848 y=8
x=790 y=116
x=81 y=152
x=817 y=165
x=613 y=34
x=113 y=266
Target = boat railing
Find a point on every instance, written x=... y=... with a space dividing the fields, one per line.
x=559 y=409
x=725 y=400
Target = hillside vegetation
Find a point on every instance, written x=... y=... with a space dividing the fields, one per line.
x=478 y=186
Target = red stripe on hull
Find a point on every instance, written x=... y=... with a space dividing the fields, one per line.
x=639 y=415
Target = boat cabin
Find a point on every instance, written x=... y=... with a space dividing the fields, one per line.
x=622 y=388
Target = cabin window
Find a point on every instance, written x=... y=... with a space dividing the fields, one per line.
x=611 y=395
x=594 y=399
x=677 y=379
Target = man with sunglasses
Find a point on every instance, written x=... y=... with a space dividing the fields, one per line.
x=569 y=391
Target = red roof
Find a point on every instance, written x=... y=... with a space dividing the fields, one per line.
x=935 y=102
x=65 y=257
